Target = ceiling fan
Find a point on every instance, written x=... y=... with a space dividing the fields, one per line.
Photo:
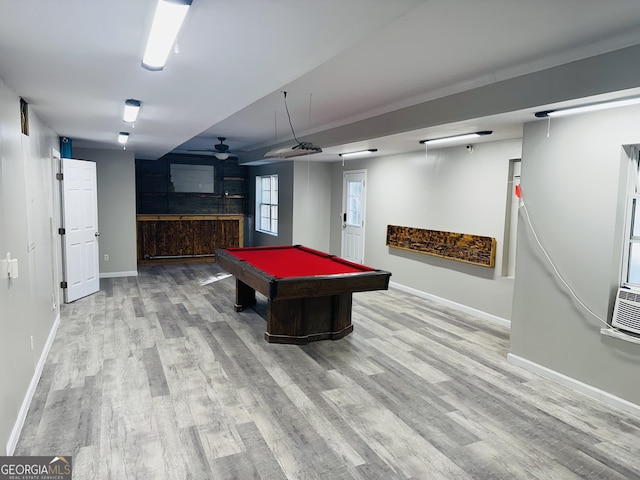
x=219 y=150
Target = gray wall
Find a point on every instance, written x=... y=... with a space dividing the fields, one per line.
x=451 y=190
x=610 y=72
x=116 y=174
x=284 y=170
x=28 y=304
x=574 y=184
x=312 y=206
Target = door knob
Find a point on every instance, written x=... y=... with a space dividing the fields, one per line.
x=97 y=234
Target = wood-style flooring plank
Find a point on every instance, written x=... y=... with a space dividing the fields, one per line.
x=157 y=377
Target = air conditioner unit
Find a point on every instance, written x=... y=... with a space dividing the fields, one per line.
x=626 y=312
x=303 y=148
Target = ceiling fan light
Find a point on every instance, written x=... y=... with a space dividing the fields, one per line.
x=221 y=155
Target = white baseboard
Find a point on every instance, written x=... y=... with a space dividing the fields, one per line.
x=132 y=273
x=26 y=403
x=503 y=322
x=588 y=390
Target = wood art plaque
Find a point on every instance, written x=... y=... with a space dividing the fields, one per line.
x=461 y=247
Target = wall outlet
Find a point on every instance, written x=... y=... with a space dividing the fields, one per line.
x=106 y=257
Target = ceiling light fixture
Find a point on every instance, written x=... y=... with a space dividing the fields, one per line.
x=300 y=148
x=123 y=137
x=359 y=153
x=455 y=138
x=593 y=107
x=164 y=30
x=131 y=109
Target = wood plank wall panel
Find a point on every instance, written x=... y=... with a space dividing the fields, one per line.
x=461 y=247
x=155 y=192
x=186 y=236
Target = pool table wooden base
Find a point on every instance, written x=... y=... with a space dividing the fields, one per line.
x=308 y=292
x=301 y=320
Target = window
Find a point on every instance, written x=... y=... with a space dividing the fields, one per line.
x=267 y=204
x=354 y=203
x=631 y=265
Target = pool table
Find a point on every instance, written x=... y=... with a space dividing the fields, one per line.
x=308 y=292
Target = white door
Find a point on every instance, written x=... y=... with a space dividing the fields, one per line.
x=353 y=213
x=80 y=223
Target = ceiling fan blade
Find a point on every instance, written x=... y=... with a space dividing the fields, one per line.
x=219 y=150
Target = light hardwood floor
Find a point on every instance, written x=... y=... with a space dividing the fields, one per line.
x=157 y=377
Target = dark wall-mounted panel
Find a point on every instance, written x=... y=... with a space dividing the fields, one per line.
x=462 y=247
x=222 y=191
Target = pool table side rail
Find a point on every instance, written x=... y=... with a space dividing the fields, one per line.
x=335 y=284
x=299 y=287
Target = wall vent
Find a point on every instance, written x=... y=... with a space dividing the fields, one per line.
x=626 y=312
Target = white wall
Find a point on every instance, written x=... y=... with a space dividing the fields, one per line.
x=312 y=205
x=116 y=174
x=451 y=190
x=28 y=230
x=574 y=184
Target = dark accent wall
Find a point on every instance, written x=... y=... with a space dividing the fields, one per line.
x=155 y=193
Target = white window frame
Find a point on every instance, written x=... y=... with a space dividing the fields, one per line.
x=511 y=220
x=633 y=195
x=267 y=204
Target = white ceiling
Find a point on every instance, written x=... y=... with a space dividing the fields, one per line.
x=341 y=61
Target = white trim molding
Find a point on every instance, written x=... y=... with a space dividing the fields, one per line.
x=503 y=322
x=26 y=403
x=588 y=390
x=620 y=335
x=132 y=273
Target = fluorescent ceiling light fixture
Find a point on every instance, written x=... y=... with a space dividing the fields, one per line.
x=455 y=138
x=359 y=153
x=164 y=30
x=123 y=137
x=131 y=109
x=593 y=107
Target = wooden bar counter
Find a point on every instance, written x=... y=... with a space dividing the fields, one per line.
x=186 y=238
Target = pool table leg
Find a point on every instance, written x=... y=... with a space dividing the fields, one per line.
x=245 y=296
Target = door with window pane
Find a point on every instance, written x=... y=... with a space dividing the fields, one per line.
x=353 y=214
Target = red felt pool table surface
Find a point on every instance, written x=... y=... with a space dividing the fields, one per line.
x=296 y=261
